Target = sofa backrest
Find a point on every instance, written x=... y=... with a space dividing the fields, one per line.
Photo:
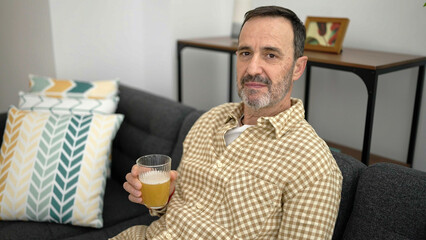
x=351 y=169
x=152 y=124
x=186 y=126
x=390 y=203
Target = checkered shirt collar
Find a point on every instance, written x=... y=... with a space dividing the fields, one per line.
x=281 y=122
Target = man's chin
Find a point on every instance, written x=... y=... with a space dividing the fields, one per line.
x=255 y=95
x=256 y=103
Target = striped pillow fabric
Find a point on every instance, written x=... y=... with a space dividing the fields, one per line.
x=33 y=102
x=61 y=88
x=53 y=167
x=65 y=96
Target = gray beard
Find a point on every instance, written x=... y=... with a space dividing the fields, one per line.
x=275 y=93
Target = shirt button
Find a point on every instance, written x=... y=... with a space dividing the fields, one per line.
x=219 y=164
x=168 y=236
x=199 y=205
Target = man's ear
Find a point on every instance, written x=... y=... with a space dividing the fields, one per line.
x=299 y=67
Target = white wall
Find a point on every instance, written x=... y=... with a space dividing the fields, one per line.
x=106 y=39
x=132 y=40
x=25 y=46
x=136 y=41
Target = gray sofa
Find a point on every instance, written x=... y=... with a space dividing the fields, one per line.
x=382 y=201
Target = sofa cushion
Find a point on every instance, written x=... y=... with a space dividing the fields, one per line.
x=60 y=88
x=351 y=169
x=39 y=230
x=111 y=231
x=118 y=208
x=390 y=203
x=33 y=102
x=53 y=167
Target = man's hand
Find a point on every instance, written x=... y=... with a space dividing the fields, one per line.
x=133 y=185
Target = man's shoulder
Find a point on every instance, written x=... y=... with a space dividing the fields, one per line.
x=308 y=147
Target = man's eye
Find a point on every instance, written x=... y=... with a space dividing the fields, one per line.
x=270 y=55
x=245 y=53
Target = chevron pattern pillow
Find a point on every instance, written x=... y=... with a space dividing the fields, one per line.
x=53 y=167
x=71 y=96
x=28 y=101
x=61 y=88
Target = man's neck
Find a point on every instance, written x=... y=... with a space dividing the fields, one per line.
x=251 y=115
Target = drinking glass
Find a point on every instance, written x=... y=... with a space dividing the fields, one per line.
x=154 y=174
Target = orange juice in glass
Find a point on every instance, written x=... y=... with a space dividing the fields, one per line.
x=154 y=174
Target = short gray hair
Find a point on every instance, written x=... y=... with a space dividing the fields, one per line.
x=299 y=31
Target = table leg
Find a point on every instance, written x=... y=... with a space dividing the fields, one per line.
x=372 y=80
x=416 y=114
x=179 y=63
x=231 y=75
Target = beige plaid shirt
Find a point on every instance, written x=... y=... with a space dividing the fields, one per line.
x=277 y=180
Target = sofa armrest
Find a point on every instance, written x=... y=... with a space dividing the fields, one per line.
x=351 y=169
x=390 y=203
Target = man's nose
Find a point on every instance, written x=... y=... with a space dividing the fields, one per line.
x=255 y=66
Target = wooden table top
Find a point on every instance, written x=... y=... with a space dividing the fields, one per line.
x=350 y=57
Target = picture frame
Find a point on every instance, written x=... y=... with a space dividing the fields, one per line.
x=325 y=34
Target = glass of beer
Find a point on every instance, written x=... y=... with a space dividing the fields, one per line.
x=154 y=174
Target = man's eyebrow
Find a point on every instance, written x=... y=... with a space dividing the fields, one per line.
x=267 y=48
x=273 y=49
x=242 y=48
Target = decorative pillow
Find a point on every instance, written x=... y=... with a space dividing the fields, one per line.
x=53 y=167
x=60 y=88
x=82 y=106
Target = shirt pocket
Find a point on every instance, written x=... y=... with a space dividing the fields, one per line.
x=249 y=204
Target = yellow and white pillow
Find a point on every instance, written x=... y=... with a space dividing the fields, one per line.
x=33 y=102
x=62 y=88
x=64 y=96
x=53 y=167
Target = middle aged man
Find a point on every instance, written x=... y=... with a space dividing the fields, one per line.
x=256 y=169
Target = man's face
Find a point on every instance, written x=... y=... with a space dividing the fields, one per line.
x=265 y=61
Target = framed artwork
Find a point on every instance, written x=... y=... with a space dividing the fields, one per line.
x=325 y=34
